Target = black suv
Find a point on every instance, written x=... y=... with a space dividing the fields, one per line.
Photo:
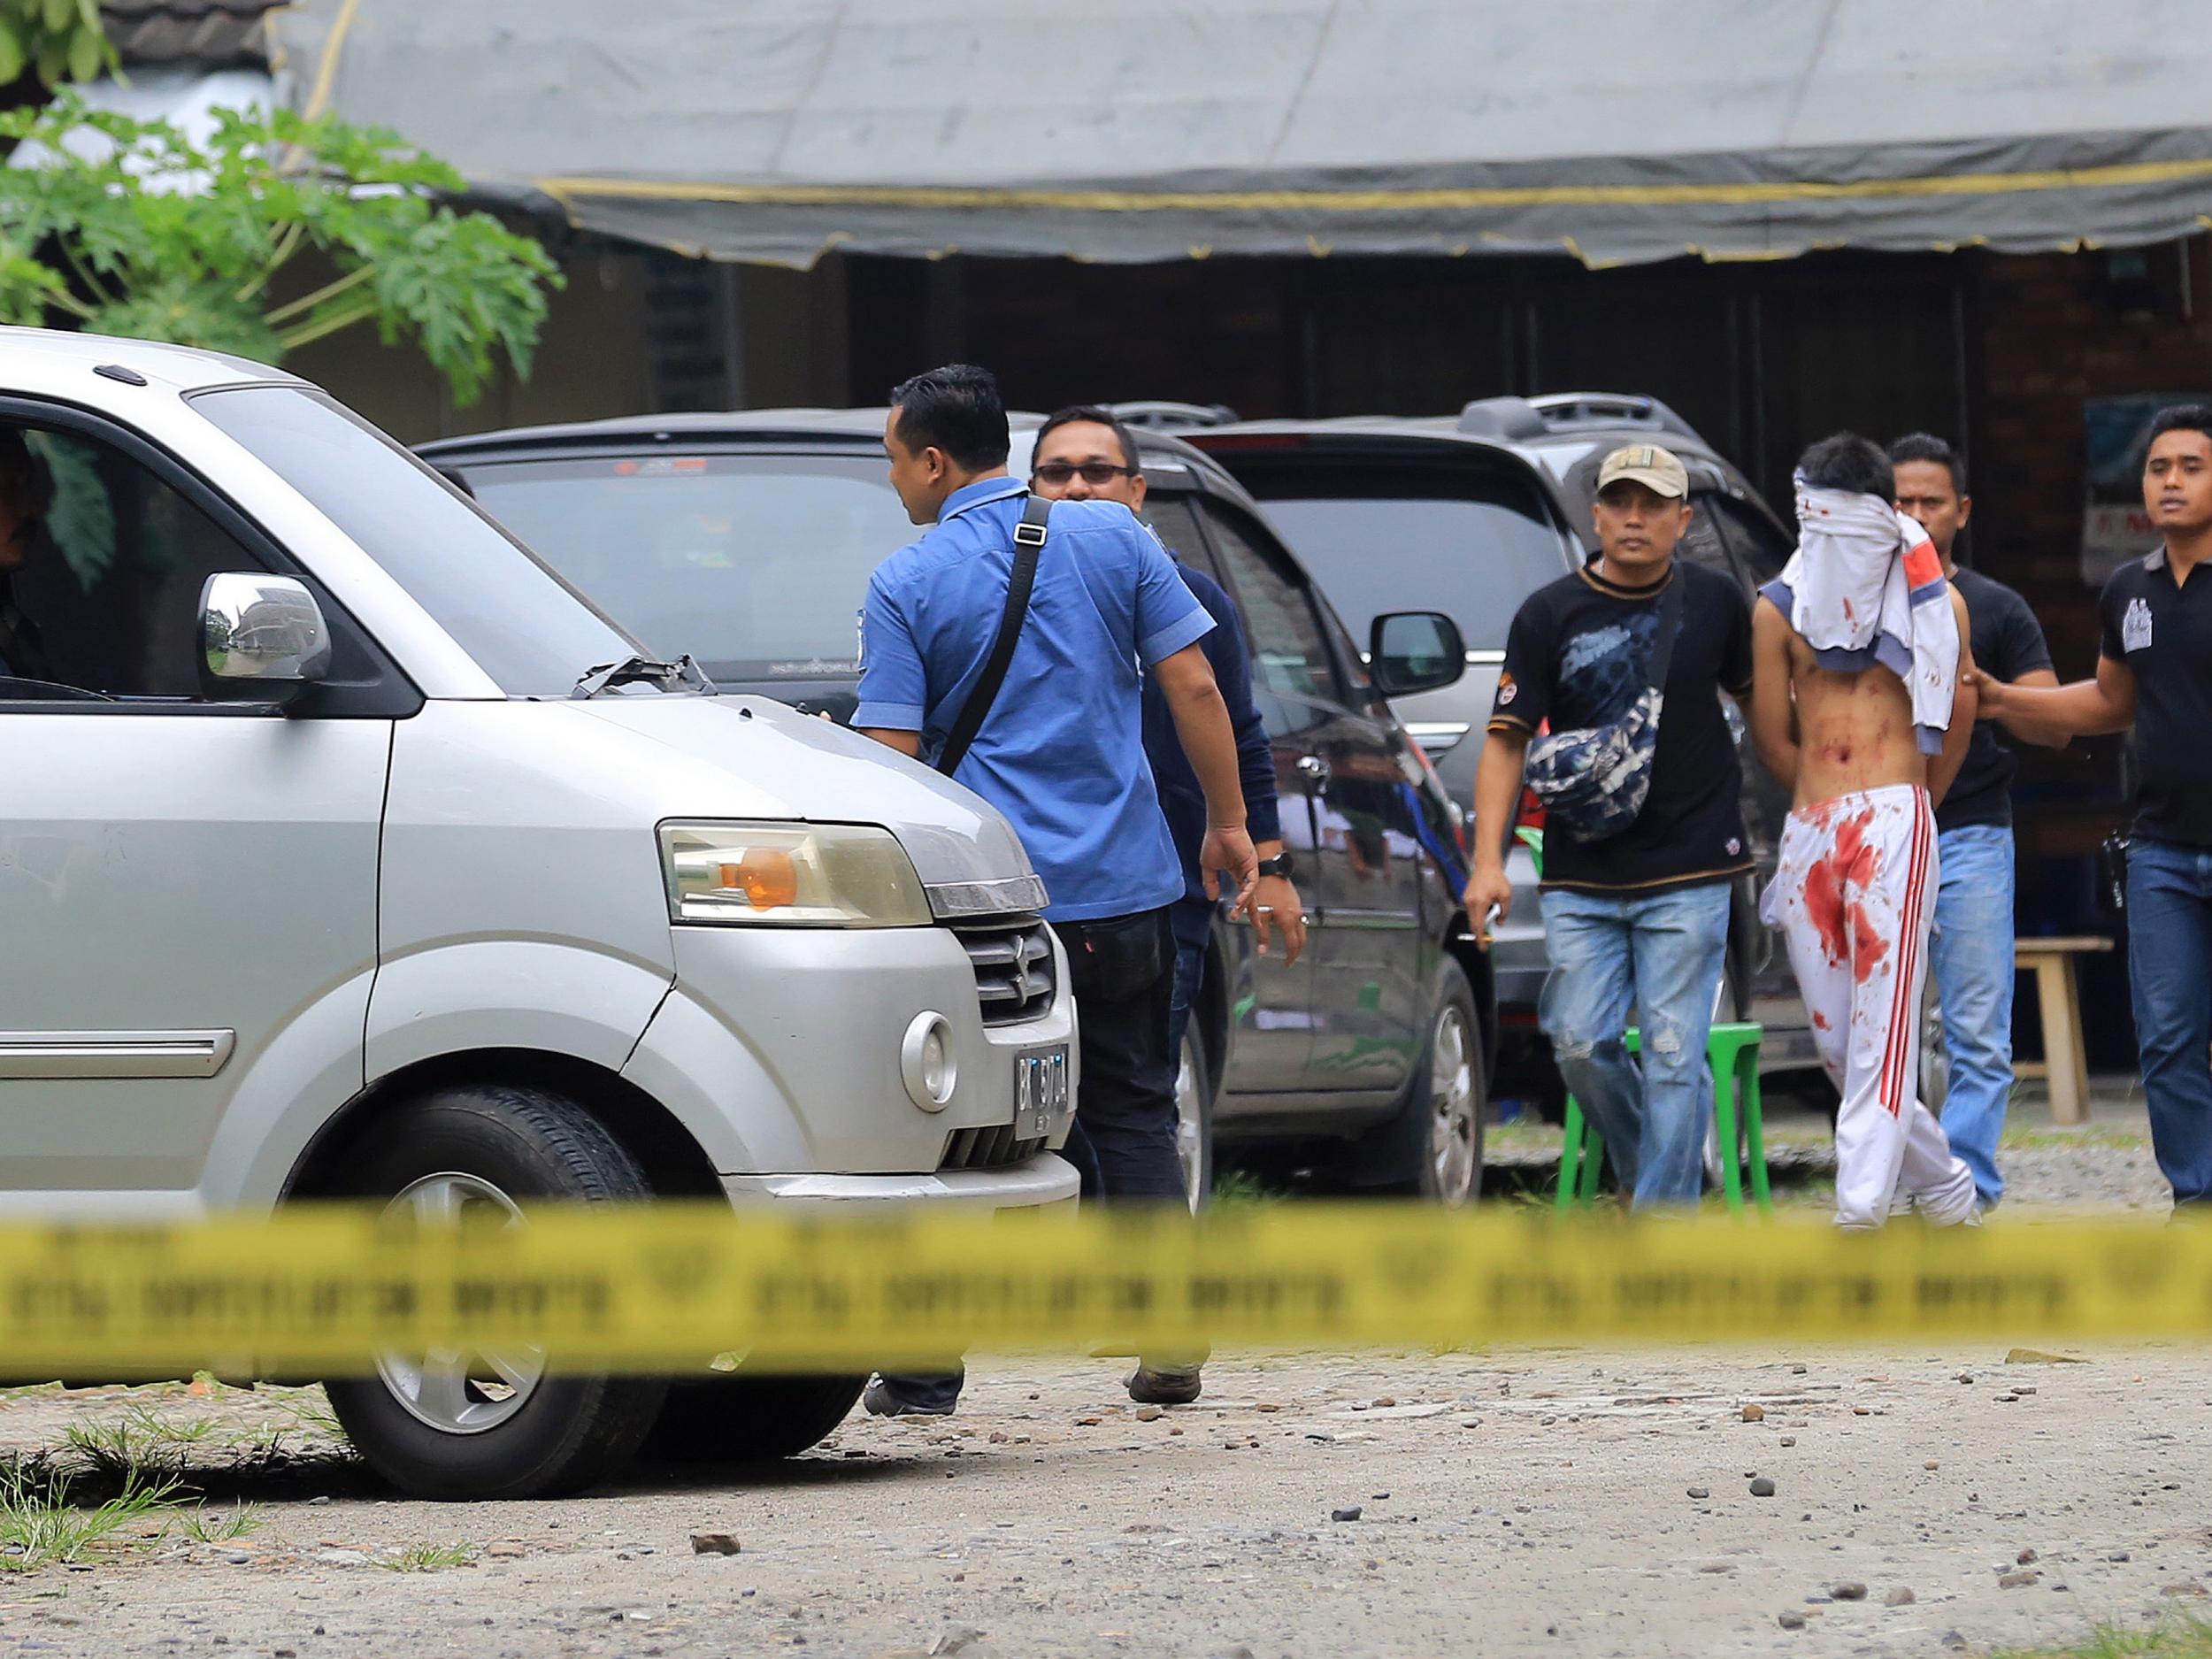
x=747 y=540
x=1469 y=514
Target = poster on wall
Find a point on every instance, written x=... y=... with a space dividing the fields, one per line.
x=2114 y=526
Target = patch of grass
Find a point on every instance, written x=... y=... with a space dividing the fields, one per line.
x=260 y=1448
x=219 y=1526
x=1523 y=1133
x=309 y=1410
x=427 y=1557
x=141 y=1446
x=1244 y=1186
x=2110 y=1138
x=2175 y=1638
x=39 y=1526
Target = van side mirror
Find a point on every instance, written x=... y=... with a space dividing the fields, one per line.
x=1415 y=650
x=261 y=637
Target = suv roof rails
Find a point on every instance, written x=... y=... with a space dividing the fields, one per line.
x=1503 y=418
x=1568 y=412
x=1165 y=415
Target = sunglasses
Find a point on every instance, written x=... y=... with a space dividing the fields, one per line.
x=1058 y=472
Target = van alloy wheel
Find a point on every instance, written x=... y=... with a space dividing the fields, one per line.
x=1454 y=1102
x=461 y=1391
x=1190 y=1119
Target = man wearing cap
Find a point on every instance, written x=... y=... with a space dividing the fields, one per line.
x=1636 y=919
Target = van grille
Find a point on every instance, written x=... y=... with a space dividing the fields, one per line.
x=1013 y=961
x=988 y=1147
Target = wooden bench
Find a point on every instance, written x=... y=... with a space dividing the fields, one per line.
x=2059 y=998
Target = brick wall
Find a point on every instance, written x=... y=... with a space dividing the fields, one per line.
x=2047 y=331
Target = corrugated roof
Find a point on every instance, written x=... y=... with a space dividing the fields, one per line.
x=203 y=33
x=772 y=130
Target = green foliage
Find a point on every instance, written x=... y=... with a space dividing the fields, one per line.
x=40 y=1526
x=133 y=228
x=2177 y=1637
x=61 y=39
x=426 y=1557
x=220 y=1526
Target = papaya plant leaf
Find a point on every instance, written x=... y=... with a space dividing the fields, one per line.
x=136 y=227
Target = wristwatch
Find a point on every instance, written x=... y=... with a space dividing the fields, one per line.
x=1280 y=865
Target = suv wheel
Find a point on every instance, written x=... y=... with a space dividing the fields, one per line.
x=1195 y=1121
x=469 y=1424
x=1434 y=1146
x=741 y=1418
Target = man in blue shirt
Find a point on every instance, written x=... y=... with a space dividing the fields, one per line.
x=1061 y=754
x=1083 y=453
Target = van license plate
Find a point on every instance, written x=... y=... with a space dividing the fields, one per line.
x=1041 y=1105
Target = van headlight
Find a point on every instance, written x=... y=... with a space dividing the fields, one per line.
x=791 y=875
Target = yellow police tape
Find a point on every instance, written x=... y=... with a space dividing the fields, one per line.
x=319 y=1291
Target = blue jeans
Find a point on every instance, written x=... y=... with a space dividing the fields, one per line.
x=1972 y=959
x=1653 y=961
x=2170 y=976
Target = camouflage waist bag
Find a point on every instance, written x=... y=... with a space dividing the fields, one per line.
x=1593 y=781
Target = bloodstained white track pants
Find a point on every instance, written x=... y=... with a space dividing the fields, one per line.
x=1855 y=895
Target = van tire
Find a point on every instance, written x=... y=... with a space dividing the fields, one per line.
x=572 y=1430
x=743 y=1419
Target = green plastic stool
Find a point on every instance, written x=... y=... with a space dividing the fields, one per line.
x=1732 y=1051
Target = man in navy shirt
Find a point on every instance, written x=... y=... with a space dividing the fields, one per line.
x=1083 y=453
x=1971 y=951
x=1061 y=754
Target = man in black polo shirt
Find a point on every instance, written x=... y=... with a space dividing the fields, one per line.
x=2154 y=672
x=1971 y=955
x=1636 y=923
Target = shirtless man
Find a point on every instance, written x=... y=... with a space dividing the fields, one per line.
x=1859 y=705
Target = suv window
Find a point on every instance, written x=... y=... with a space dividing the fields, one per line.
x=1290 y=659
x=1702 y=543
x=756 y=564
x=1381 y=535
x=1758 y=542
x=1177 y=525
x=527 y=628
x=101 y=571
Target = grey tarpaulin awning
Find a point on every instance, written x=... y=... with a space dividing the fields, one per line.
x=774 y=130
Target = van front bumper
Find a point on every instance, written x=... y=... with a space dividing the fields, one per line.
x=1045 y=1181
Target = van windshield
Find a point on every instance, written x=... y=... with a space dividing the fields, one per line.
x=755 y=564
x=525 y=627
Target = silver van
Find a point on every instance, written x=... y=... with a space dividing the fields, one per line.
x=347 y=851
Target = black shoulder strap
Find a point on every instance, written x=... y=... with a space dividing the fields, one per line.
x=1029 y=538
x=1670 y=624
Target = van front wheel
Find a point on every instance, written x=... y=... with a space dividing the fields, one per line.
x=468 y=1424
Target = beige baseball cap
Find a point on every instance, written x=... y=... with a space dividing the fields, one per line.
x=1648 y=465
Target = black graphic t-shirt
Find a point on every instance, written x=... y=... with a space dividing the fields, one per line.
x=1578 y=656
x=2007 y=643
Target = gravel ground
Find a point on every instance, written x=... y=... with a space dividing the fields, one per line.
x=1556 y=1500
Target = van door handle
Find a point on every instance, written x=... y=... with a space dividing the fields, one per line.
x=1314 y=770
